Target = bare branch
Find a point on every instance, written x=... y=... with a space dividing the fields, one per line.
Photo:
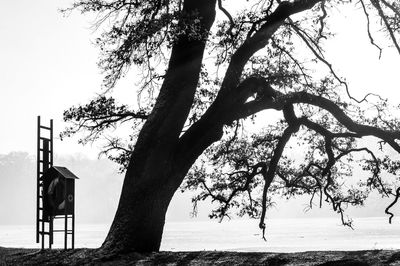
x=259 y=39
x=321 y=21
x=387 y=210
x=378 y=7
x=270 y=173
x=228 y=15
x=368 y=29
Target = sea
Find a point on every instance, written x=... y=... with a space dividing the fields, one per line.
x=243 y=235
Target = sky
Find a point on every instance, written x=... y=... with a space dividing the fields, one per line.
x=48 y=63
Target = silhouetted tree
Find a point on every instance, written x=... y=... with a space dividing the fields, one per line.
x=206 y=72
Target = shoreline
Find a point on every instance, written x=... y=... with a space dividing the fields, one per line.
x=86 y=256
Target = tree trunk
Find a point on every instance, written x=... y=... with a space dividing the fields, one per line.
x=152 y=178
x=139 y=221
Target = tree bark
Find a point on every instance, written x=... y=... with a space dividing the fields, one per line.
x=139 y=222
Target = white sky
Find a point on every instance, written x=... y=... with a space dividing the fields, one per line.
x=48 y=64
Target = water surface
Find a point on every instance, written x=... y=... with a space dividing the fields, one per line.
x=283 y=235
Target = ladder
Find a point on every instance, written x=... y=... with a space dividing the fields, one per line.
x=67 y=231
x=44 y=162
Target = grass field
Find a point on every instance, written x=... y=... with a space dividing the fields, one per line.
x=14 y=256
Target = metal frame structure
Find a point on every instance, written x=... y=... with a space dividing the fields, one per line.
x=45 y=226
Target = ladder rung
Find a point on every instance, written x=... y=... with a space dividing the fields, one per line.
x=44 y=127
x=43 y=138
x=61 y=217
x=44 y=233
x=41 y=161
x=68 y=231
x=50 y=163
x=44 y=150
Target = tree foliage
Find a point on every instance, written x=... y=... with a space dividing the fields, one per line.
x=259 y=55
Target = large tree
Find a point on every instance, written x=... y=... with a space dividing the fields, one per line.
x=207 y=68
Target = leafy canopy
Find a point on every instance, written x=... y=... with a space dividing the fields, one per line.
x=287 y=71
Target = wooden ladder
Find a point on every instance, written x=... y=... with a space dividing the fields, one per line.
x=44 y=162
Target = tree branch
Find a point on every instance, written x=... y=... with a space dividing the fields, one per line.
x=378 y=7
x=282 y=100
x=258 y=40
x=371 y=39
x=270 y=173
x=228 y=15
x=387 y=210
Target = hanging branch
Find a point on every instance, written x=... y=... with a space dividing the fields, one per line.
x=378 y=7
x=232 y=23
x=392 y=204
x=329 y=65
x=390 y=6
x=296 y=62
x=322 y=21
x=371 y=39
x=273 y=165
x=226 y=201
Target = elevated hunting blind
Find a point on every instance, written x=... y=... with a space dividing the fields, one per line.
x=55 y=191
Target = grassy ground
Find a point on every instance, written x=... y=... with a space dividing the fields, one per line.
x=12 y=256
